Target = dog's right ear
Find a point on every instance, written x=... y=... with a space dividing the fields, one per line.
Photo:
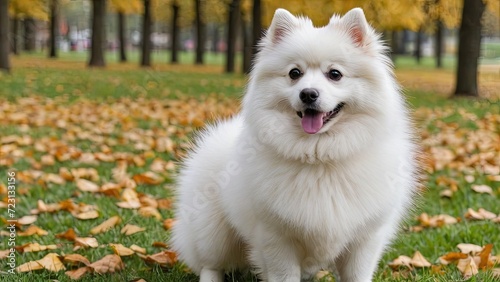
x=282 y=24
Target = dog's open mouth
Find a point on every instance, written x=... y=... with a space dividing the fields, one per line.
x=313 y=120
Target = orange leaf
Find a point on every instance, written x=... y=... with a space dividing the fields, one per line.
x=68 y=235
x=485 y=255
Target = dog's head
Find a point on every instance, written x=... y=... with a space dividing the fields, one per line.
x=329 y=85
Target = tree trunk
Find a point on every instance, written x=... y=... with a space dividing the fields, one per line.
x=215 y=38
x=439 y=44
x=175 y=32
x=121 y=37
x=256 y=26
x=146 y=35
x=394 y=45
x=418 y=45
x=4 y=36
x=15 y=35
x=29 y=34
x=234 y=12
x=53 y=29
x=247 y=46
x=200 y=33
x=98 y=34
x=469 y=48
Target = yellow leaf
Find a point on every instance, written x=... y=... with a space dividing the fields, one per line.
x=138 y=249
x=121 y=250
x=35 y=247
x=149 y=212
x=27 y=219
x=51 y=262
x=106 y=225
x=87 y=215
x=32 y=230
x=130 y=229
x=29 y=266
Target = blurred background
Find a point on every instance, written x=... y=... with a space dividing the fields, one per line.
x=214 y=31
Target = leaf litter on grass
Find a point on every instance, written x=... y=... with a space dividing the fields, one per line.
x=137 y=141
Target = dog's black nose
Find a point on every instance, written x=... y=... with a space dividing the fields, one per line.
x=309 y=95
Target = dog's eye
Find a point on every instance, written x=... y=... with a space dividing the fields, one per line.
x=295 y=74
x=334 y=75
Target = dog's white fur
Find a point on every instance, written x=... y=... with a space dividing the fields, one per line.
x=258 y=192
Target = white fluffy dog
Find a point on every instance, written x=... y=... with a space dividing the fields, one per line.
x=315 y=173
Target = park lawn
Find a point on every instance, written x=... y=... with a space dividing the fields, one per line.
x=145 y=118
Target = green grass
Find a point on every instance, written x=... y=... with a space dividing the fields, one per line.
x=79 y=86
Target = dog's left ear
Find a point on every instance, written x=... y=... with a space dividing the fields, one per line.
x=357 y=26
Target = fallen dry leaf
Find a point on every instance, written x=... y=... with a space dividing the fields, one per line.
x=467 y=267
x=469 y=248
x=451 y=257
x=480 y=214
x=164 y=258
x=32 y=230
x=106 y=225
x=482 y=189
x=418 y=260
x=29 y=266
x=485 y=256
x=35 y=247
x=149 y=212
x=87 y=215
x=400 y=261
x=130 y=229
x=138 y=249
x=75 y=259
x=27 y=219
x=87 y=185
x=86 y=242
x=68 y=235
x=50 y=262
x=108 y=264
x=121 y=250
x=77 y=273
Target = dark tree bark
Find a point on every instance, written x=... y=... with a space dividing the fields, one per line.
x=418 y=46
x=439 y=44
x=247 y=46
x=469 y=47
x=98 y=34
x=175 y=32
x=146 y=35
x=234 y=12
x=29 y=34
x=394 y=45
x=256 y=26
x=200 y=33
x=15 y=35
x=53 y=29
x=121 y=37
x=4 y=36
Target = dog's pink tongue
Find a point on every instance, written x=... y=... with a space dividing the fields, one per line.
x=312 y=122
